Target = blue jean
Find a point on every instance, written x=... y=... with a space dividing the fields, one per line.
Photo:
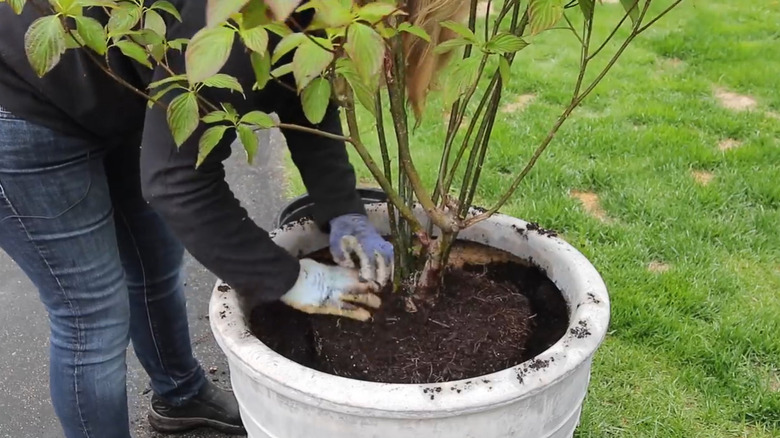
x=107 y=269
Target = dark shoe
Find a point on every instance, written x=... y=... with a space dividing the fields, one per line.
x=211 y=407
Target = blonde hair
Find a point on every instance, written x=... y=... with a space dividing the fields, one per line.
x=422 y=63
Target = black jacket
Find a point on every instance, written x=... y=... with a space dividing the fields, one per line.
x=78 y=98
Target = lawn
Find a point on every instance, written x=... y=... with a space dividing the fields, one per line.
x=668 y=179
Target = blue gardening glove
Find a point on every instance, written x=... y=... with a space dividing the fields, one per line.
x=353 y=235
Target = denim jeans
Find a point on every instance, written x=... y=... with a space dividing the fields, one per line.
x=107 y=269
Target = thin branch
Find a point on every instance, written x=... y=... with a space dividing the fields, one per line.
x=553 y=131
x=206 y=103
x=487 y=14
x=484 y=141
x=105 y=67
x=534 y=158
x=302 y=30
x=610 y=36
x=464 y=145
x=472 y=26
x=284 y=84
x=384 y=150
x=659 y=16
x=402 y=250
x=396 y=90
x=508 y=5
x=587 y=30
x=468 y=172
x=459 y=107
x=314 y=131
x=382 y=136
x=365 y=155
x=573 y=30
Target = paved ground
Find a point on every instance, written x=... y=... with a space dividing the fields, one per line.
x=25 y=410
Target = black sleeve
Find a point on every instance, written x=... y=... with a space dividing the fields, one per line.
x=198 y=204
x=323 y=164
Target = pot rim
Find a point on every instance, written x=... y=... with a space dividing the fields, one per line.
x=589 y=312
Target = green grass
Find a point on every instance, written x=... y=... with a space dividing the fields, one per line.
x=693 y=351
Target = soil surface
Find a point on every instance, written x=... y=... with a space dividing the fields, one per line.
x=489 y=317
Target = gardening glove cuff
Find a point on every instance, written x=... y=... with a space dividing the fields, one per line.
x=331 y=290
x=352 y=237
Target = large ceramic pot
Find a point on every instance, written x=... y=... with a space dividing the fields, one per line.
x=539 y=398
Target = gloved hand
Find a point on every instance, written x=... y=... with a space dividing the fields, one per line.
x=353 y=234
x=331 y=290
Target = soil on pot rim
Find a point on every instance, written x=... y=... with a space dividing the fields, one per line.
x=495 y=311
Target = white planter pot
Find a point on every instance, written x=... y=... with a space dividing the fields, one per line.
x=539 y=398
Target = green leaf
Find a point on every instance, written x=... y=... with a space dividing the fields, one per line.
x=366 y=48
x=208 y=141
x=248 y=138
x=282 y=70
x=154 y=22
x=505 y=43
x=450 y=45
x=415 y=30
x=544 y=14
x=216 y=117
x=93 y=34
x=463 y=76
x=166 y=6
x=461 y=29
x=386 y=32
x=68 y=7
x=287 y=44
x=373 y=12
x=255 y=39
x=183 y=117
x=261 y=64
x=315 y=99
x=632 y=8
x=123 y=18
x=157 y=51
x=144 y=37
x=332 y=13
x=258 y=119
x=169 y=79
x=278 y=28
x=207 y=52
x=218 y=11
x=178 y=43
x=73 y=41
x=364 y=93
x=99 y=3
x=17 y=5
x=588 y=8
x=44 y=43
x=504 y=69
x=254 y=14
x=230 y=110
x=221 y=80
x=159 y=94
x=134 y=51
x=282 y=8
x=310 y=61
